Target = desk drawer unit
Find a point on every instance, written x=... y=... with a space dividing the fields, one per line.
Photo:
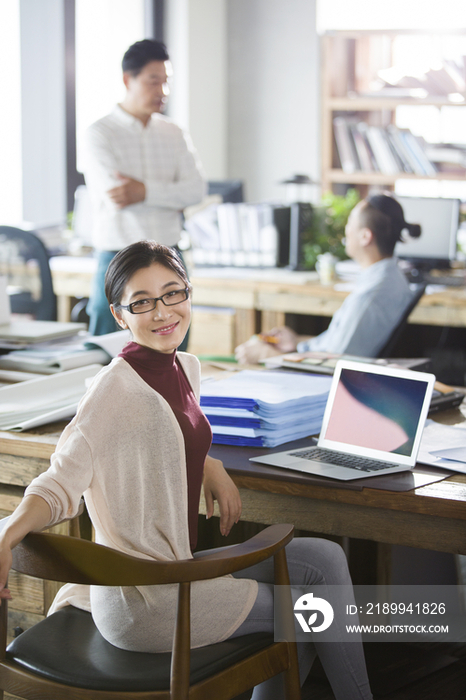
x=31 y=597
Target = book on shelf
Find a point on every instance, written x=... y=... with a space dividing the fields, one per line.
x=362 y=128
x=400 y=162
x=388 y=150
x=417 y=151
x=383 y=155
x=346 y=149
x=409 y=163
x=445 y=154
x=365 y=156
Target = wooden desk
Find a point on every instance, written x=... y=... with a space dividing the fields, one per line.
x=23 y=457
x=271 y=294
x=429 y=517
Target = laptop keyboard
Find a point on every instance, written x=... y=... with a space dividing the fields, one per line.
x=363 y=464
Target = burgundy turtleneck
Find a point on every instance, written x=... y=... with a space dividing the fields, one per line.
x=165 y=375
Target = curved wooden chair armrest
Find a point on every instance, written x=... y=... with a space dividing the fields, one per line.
x=258 y=548
x=64 y=558
x=70 y=559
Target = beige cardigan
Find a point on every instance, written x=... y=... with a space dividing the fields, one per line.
x=124 y=451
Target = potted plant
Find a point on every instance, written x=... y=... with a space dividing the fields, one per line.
x=327 y=230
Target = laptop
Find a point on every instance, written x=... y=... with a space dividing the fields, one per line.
x=372 y=424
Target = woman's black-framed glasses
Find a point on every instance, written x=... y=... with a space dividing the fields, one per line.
x=142 y=306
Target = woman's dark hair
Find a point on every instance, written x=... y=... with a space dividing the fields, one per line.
x=141 y=53
x=135 y=257
x=383 y=215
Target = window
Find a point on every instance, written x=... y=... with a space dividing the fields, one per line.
x=104 y=30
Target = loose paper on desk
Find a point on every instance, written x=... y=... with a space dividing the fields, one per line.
x=41 y=401
x=452 y=457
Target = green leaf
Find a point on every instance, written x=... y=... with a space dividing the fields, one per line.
x=327 y=229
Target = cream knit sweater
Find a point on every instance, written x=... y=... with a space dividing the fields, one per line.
x=124 y=451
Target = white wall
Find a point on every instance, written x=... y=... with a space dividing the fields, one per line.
x=32 y=123
x=196 y=41
x=177 y=41
x=246 y=86
x=208 y=84
x=397 y=14
x=104 y=31
x=11 y=200
x=273 y=93
x=43 y=112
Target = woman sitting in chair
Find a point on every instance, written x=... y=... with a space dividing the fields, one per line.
x=369 y=315
x=137 y=450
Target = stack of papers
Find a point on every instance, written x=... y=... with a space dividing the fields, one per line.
x=40 y=401
x=66 y=353
x=264 y=409
x=21 y=334
x=443 y=446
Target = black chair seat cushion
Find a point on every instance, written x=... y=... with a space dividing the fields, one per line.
x=67 y=648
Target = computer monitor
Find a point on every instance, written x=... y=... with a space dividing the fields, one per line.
x=439 y=220
x=229 y=190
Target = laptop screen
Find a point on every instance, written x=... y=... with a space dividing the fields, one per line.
x=377 y=412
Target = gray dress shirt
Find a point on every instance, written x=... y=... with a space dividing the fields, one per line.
x=367 y=317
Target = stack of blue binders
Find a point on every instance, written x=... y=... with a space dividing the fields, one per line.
x=265 y=408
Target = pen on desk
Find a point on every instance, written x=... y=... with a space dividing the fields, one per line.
x=272 y=339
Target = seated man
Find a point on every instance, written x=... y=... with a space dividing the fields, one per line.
x=367 y=317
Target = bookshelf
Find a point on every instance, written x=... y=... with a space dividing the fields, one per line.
x=350 y=63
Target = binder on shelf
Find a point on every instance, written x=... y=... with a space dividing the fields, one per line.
x=249 y=235
x=241 y=235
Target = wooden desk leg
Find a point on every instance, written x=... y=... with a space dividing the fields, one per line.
x=64 y=308
x=271 y=319
x=245 y=325
x=384 y=564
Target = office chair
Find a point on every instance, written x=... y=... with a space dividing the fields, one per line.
x=17 y=249
x=64 y=656
x=390 y=345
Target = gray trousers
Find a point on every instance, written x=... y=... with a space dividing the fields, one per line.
x=311 y=561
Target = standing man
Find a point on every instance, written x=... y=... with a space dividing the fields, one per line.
x=141 y=170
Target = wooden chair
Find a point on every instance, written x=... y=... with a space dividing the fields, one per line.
x=64 y=656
